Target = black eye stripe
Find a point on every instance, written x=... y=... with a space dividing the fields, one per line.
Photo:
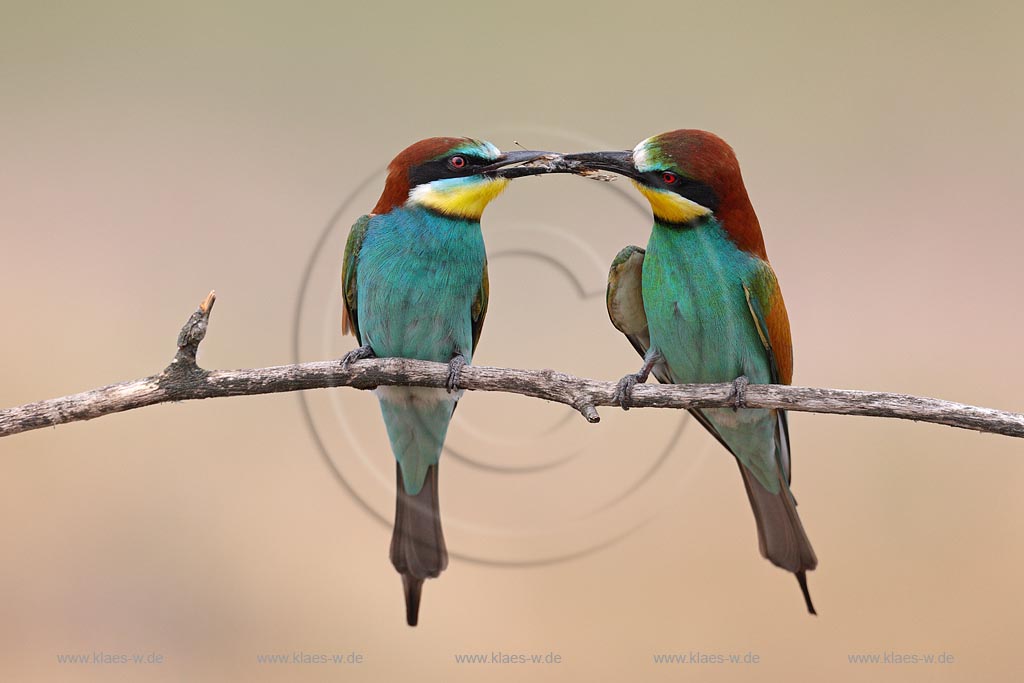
x=691 y=189
x=438 y=169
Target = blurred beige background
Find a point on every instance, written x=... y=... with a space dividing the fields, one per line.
x=150 y=154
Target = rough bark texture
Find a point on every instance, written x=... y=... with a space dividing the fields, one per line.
x=183 y=380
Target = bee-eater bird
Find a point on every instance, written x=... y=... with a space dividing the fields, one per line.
x=414 y=282
x=702 y=305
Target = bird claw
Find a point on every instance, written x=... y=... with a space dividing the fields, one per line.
x=739 y=387
x=356 y=354
x=455 y=366
x=624 y=390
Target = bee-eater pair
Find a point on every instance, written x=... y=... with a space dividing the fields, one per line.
x=701 y=304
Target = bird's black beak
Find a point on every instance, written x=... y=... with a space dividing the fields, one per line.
x=525 y=163
x=522 y=163
x=521 y=157
x=616 y=162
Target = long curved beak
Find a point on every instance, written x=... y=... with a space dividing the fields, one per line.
x=520 y=163
x=617 y=162
x=520 y=157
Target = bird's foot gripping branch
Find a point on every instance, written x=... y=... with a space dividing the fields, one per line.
x=184 y=380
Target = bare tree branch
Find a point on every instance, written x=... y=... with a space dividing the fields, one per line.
x=183 y=380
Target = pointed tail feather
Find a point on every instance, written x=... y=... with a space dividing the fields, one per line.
x=780 y=534
x=801 y=578
x=417 y=544
x=413 y=588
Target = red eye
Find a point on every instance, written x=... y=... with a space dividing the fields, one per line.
x=457 y=162
x=669 y=178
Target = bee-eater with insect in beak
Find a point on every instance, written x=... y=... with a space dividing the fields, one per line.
x=414 y=281
x=702 y=305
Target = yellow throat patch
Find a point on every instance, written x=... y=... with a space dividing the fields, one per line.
x=463 y=199
x=671 y=207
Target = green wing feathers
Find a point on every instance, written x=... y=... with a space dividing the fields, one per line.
x=625 y=301
x=349 y=312
x=625 y=297
x=479 y=310
x=767 y=307
x=764 y=300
